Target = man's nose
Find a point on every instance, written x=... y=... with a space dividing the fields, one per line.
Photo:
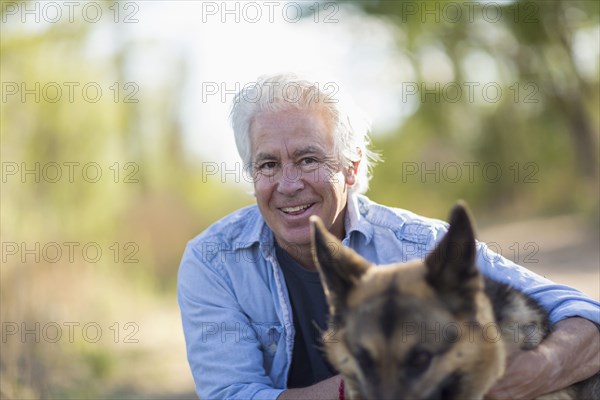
x=290 y=180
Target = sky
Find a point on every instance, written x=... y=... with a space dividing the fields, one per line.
x=225 y=48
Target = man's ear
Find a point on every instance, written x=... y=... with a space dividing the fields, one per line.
x=340 y=267
x=451 y=268
x=350 y=175
x=353 y=169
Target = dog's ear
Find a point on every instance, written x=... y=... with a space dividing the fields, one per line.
x=451 y=268
x=340 y=267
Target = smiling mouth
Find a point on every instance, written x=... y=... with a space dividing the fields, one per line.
x=297 y=209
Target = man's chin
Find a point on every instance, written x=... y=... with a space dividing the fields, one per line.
x=294 y=239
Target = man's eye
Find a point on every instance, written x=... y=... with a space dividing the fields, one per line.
x=308 y=161
x=268 y=165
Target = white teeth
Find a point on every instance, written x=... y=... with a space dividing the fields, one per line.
x=295 y=209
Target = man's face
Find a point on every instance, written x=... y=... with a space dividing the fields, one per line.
x=297 y=174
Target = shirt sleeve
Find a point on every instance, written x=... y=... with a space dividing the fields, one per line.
x=223 y=350
x=560 y=301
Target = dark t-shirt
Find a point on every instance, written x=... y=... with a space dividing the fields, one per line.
x=310 y=312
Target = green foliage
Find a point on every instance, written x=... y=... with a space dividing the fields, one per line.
x=149 y=201
x=541 y=133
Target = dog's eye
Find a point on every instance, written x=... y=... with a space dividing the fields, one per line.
x=363 y=357
x=418 y=362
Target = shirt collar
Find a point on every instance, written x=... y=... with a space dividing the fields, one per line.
x=355 y=221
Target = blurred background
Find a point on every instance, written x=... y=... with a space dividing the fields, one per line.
x=116 y=150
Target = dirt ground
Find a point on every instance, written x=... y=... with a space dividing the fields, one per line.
x=564 y=249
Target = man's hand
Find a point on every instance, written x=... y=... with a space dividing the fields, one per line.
x=570 y=354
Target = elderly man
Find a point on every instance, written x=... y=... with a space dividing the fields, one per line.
x=251 y=301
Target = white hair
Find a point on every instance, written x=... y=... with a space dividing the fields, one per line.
x=281 y=92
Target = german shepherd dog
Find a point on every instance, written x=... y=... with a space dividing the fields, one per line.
x=432 y=329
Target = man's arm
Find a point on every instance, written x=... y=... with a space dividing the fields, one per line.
x=571 y=353
x=225 y=355
x=324 y=390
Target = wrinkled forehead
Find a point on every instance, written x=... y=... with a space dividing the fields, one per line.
x=293 y=130
x=284 y=116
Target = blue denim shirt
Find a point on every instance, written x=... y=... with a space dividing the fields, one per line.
x=235 y=308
